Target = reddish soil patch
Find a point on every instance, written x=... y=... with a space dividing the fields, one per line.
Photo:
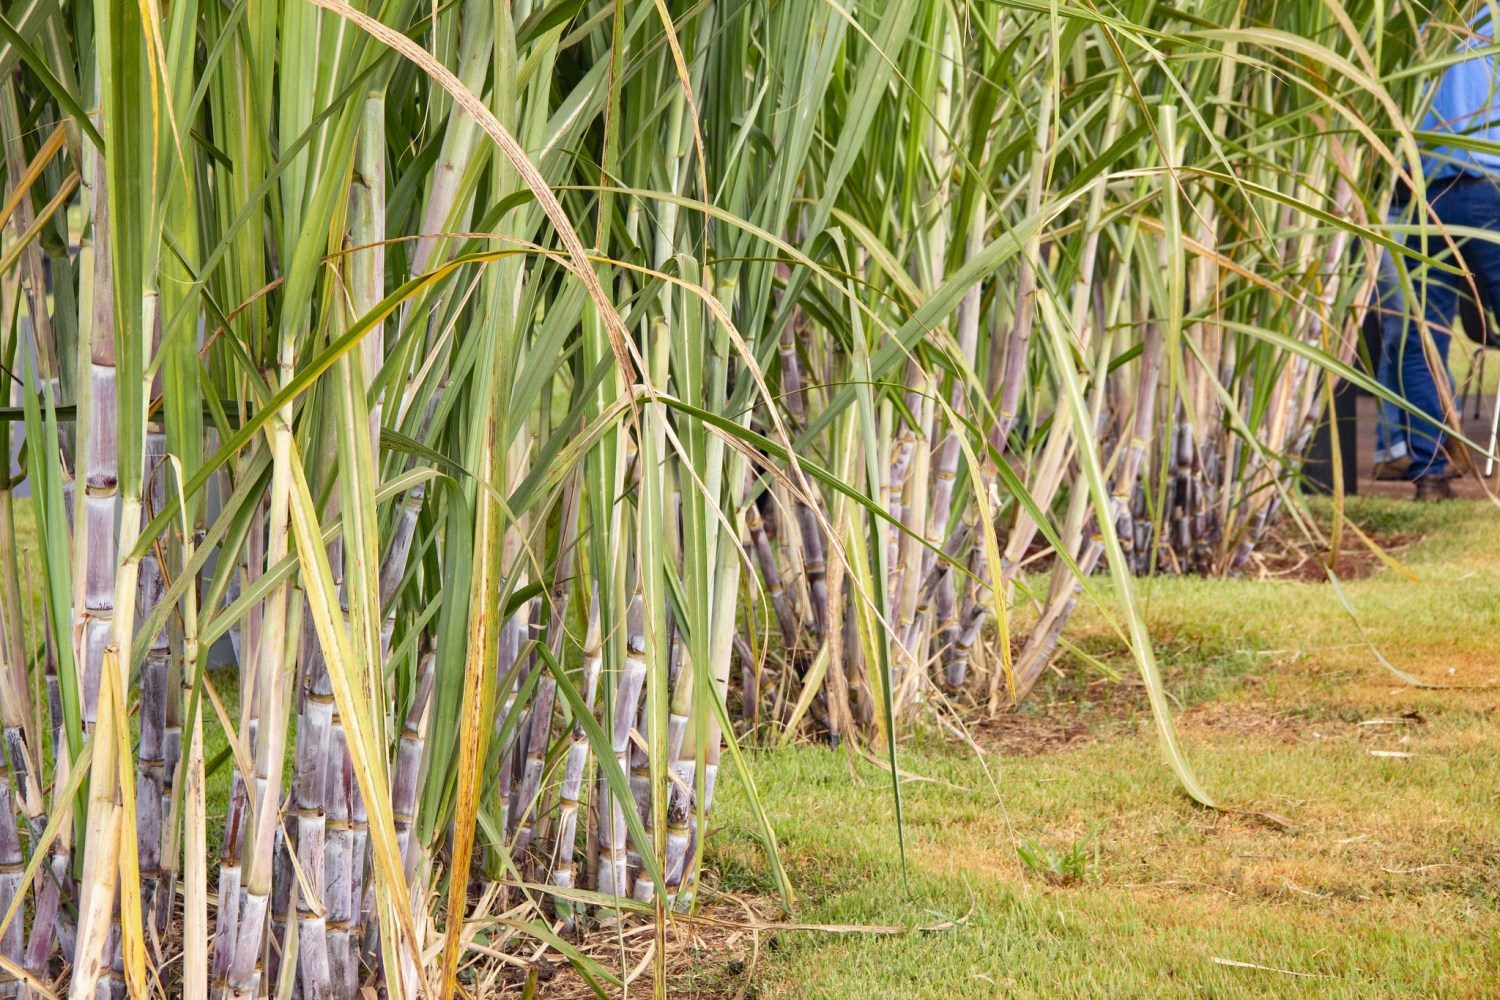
x=1284 y=554
x=1284 y=558
x=1016 y=735
x=1062 y=716
x=711 y=955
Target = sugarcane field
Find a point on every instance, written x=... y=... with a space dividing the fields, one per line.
x=749 y=499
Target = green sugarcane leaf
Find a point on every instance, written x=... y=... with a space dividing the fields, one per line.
x=16 y=47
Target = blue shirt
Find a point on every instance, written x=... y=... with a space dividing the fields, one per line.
x=1467 y=103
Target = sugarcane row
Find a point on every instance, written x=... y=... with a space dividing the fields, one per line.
x=592 y=786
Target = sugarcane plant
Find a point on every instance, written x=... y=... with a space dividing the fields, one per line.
x=422 y=411
x=1205 y=271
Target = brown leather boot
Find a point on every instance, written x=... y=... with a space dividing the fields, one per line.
x=1392 y=468
x=1431 y=489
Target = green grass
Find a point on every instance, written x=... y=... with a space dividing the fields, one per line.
x=1387 y=886
x=1460 y=361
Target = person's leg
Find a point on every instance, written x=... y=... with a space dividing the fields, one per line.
x=1475 y=206
x=1430 y=318
x=1482 y=257
x=1390 y=430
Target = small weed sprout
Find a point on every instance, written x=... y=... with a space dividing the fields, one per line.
x=1076 y=864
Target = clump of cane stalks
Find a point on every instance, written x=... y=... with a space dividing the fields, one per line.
x=480 y=384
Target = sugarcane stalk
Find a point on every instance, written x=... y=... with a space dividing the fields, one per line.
x=905 y=678
x=366 y=266
x=12 y=939
x=540 y=735
x=406 y=776
x=171 y=756
x=195 y=956
x=528 y=629
x=786 y=618
x=640 y=794
x=965 y=628
x=94 y=609
x=324 y=934
x=786 y=534
x=1008 y=369
x=96 y=556
x=793 y=395
x=338 y=885
x=903 y=454
x=815 y=562
x=279 y=944
x=679 y=779
x=611 y=869
x=278 y=642
x=20 y=765
x=509 y=667
x=367 y=231
x=359 y=894
x=226 y=930
x=564 y=865
x=410 y=753
x=339 y=877
x=151 y=780
x=1038 y=651
x=238 y=815
x=310 y=783
x=476 y=39
x=337 y=888
x=708 y=746
x=679 y=683
x=393 y=565
x=945 y=466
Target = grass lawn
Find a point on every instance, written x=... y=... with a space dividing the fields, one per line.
x=1387 y=885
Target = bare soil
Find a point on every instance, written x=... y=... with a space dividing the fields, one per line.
x=1283 y=557
x=711 y=955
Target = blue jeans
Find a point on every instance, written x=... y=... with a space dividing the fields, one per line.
x=1468 y=202
x=1390 y=307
